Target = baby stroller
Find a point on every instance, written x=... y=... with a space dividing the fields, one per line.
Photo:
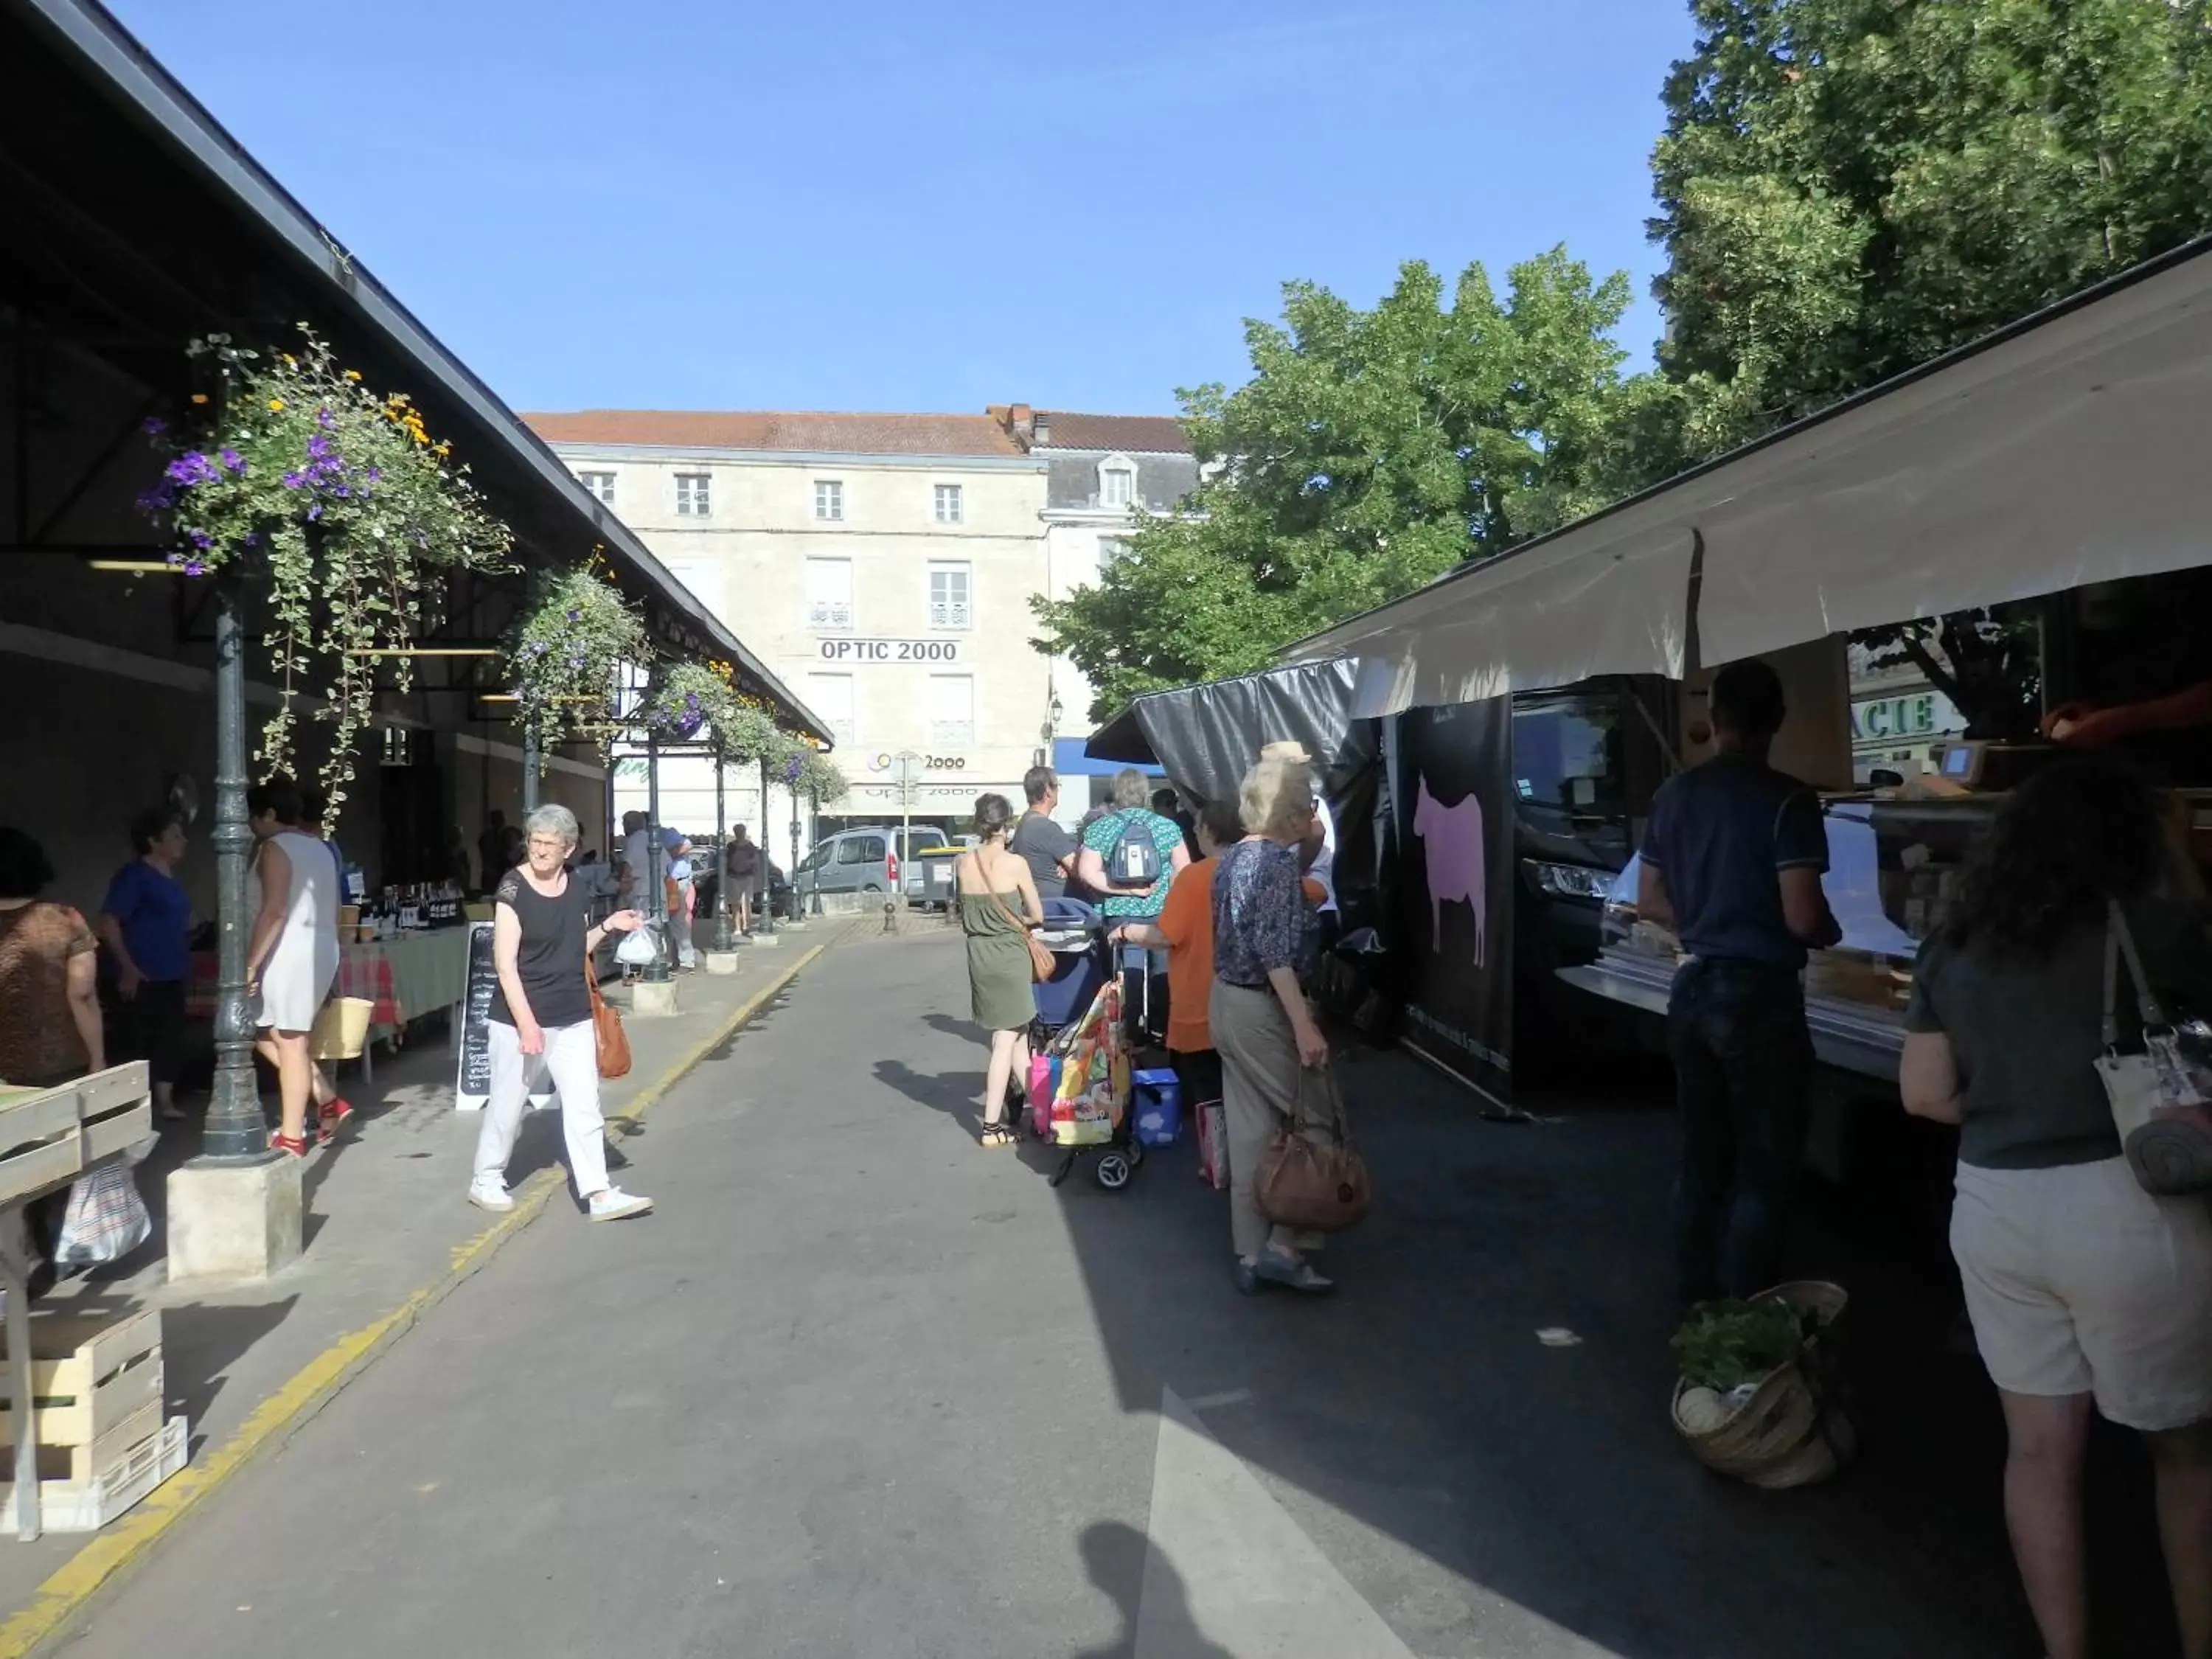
x=1078 y=1083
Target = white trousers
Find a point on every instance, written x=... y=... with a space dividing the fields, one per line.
x=572 y=1060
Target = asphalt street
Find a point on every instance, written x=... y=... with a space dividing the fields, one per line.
x=860 y=1386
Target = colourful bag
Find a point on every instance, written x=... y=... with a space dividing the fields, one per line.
x=1213 y=1145
x=1044 y=1077
x=1092 y=1091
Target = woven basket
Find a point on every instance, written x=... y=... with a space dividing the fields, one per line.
x=1787 y=1434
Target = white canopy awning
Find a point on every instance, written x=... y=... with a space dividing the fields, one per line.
x=2073 y=447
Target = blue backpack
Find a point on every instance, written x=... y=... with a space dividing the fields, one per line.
x=1134 y=859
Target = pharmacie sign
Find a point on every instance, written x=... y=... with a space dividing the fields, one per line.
x=1916 y=715
x=852 y=651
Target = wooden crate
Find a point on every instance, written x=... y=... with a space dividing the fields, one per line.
x=96 y=1385
x=49 y=1136
x=86 y=1504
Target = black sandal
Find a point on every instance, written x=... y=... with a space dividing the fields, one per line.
x=994 y=1135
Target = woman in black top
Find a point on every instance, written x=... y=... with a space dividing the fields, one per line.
x=2084 y=1290
x=542 y=942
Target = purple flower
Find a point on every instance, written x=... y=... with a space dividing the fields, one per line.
x=154 y=426
x=252 y=539
x=158 y=500
x=191 y=468
x=318 y=447
x=323 y=420
x=201 y=540
x=196 y=567
x=575 y=615
x=294 y=480
x=314 y=511
x=375 y=474
x=792 y=768
x=231 y=460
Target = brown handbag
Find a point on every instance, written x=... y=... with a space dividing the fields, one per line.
x=607 y=1033
x=1041 y=961
x=1316 y=1187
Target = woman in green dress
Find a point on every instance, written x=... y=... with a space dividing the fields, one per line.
x=998 y=901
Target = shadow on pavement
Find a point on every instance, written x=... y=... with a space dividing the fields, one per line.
x=1420 y=1401
x=1114 y=1554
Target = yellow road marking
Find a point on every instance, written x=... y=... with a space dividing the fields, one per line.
x=69 y=1586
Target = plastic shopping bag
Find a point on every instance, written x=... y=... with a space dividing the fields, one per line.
x=1093 y=1090
x=106 y=1220
x=1214 y=1145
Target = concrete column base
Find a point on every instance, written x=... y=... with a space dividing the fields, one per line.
x=652 y=1001
x=764 y=941
x=790 y=927
x=235 y=1221
x=722 y=962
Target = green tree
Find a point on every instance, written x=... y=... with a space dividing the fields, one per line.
x=1371 y=450
x=1847 y=188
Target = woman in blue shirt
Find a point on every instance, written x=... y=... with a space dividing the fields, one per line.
x=145 y=935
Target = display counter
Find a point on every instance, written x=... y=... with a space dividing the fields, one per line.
x=1893 y=867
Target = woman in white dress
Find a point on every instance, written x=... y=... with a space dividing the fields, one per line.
x=292 y=958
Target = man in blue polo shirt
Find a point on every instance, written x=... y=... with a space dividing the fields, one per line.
x=1733 y=858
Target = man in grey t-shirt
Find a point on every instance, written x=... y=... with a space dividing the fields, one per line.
x=1048 y=848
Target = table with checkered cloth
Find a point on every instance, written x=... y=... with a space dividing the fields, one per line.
x=364 y=971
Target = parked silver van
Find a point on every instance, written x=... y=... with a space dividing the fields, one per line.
x=858 y=860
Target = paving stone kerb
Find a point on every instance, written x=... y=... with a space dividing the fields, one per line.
x=388 y=1220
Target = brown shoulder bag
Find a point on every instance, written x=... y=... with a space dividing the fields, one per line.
x=607 y=1033
x=1315 y=1185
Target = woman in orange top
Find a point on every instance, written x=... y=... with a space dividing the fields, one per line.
x=1185 y=926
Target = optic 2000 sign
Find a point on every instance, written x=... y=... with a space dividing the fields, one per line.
x=849 y=651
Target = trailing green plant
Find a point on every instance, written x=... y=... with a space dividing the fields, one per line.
x=564 y=653
x=338 y=496
x=818 y=778
x=1723 y=1345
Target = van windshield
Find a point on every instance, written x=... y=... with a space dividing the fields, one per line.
x=1567 y=758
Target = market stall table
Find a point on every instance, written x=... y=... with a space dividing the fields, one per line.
x=401 y=978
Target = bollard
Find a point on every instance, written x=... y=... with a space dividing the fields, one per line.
x=890 y=915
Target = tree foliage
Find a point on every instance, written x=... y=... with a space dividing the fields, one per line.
x=1850 y=187
x=1371 y=452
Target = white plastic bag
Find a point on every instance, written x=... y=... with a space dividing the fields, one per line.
x=639 y=948
x=106 y=1220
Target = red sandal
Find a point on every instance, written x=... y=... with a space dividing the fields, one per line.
x=280 y=1142
x=331 y=1119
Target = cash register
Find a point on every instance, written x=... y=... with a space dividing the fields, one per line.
x=1981 y=767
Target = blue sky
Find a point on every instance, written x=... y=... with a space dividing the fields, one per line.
x=874 y=205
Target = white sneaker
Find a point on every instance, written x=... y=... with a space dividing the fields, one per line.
x=615 y=1204
x=491 y=1195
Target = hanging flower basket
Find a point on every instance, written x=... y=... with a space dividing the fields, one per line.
x=563 y=656
x=337 y=494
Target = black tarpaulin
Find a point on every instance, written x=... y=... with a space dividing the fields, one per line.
x=1207 y=736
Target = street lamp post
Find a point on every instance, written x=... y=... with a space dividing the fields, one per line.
x=814 y=812
x=530 y=760
x=766 y=925
x=724 y=940
x=236 y=1131
x=656 y=971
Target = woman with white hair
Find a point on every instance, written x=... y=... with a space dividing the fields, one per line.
x=1264 y=1031
x=541 y=941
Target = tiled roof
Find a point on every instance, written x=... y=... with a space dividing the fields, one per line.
x=846 y=435
x=1161 y=434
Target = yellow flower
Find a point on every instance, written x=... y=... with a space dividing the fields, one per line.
x=442 y=451
x=353 y=375
x=275 y=405
x=199 y=397
x=290 y=362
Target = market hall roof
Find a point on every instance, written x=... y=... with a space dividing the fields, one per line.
x=827 y=433
x=2066 y=448
x=135 y=223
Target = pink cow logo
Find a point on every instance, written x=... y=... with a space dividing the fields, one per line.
x=1451 y=837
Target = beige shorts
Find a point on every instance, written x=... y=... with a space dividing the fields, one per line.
x=2080 y=1282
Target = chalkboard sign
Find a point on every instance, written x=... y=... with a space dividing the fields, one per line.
x=472 y=1087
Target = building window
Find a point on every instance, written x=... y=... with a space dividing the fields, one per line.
x=831 y=696
x=1117 y=485
x=702 y=578
x=398 y=747
x=601 y=484
x=948 y=504
x=829 y=499
x=829 y=595
x=691 y=499
x=948 y=596
x=951 y=710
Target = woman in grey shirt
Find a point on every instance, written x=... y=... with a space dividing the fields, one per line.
x=2084 y=1290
